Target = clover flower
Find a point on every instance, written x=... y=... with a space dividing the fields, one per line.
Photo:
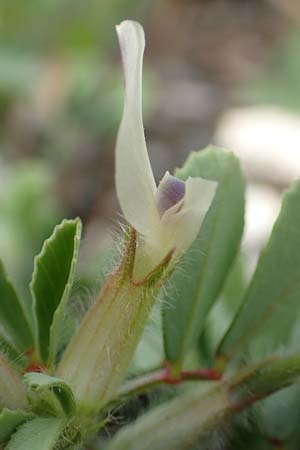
x=166 y=220
x=168 y=216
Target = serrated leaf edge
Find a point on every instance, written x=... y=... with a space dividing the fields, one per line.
x=68 y=285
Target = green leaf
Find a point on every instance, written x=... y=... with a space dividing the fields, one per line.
x=197 y=282
x=244 y=437
x=221 y=314
x=14 y=326
x=10 y=421
x=278 y=416
x=271 y=303
x=45 y=388
x=149 y=353
x=51 y=285
x=38 y=434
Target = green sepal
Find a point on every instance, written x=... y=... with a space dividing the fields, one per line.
x=13 y=321
x=38 y=434
x=49 y=393
x=200 y=276
x=51 y=285
x=10 y=420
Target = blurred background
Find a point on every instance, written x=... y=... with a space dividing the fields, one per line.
x=216 y=71
x=222 y=72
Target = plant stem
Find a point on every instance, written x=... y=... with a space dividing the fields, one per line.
x=195 y=416
x=164 y=376
x=244 y=388
x=141 y=384
x=259 y=381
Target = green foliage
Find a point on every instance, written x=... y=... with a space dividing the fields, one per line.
x=271 y=304
x=278 y=416
x=10 y=421
x=38 y=434
x=223 y=311
x=44 y=390
x=51 y=285
x=200 y=276
x=62 y=395
x=14 y=323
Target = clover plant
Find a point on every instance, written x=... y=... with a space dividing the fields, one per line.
x=182 y=240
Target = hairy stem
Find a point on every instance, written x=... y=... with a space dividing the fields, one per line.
x=196 y=416
x=164 y=376
x=259 y=381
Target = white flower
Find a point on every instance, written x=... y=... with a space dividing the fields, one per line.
x=168 y=216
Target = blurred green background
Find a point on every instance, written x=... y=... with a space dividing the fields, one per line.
x=60 y=103
x=61 y=99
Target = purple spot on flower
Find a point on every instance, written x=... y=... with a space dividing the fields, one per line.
x=170 y=193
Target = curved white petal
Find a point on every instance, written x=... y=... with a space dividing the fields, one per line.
x=199 y=196
x=181 y=227
x=135 y=183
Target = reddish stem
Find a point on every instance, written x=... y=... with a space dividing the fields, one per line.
x=165 y=376
x=34 y=365
x=186 y=375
